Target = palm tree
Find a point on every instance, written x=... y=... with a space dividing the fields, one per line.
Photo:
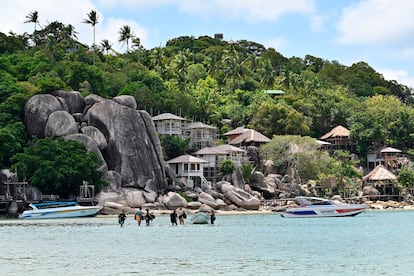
x=106 y=45
x=33 y=17
x=125 y=35
x=92 y=20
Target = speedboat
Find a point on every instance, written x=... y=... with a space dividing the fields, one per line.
x=314 y=207
x=66 y=209
x=200 y=218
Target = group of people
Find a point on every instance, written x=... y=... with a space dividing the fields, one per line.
x=149 y=217
x=180 y=214
x=139 y=217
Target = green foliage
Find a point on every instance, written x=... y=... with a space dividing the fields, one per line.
x=383 y=119
x=12 y=140
x=344 y=167
x=58 y=166
x=247 y=171
x=298 y=153
x=405 y=176
x=174 y=145
x=227 y=166
x=186 y=197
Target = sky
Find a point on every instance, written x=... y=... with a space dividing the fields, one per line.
x=378 y=32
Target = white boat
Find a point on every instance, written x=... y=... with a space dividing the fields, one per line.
x=311 y=207
x=200 y=218
x=49 y=210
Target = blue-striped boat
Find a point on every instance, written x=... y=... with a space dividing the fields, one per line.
x=315 y=207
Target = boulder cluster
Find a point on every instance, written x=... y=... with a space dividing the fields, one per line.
x=126 y=141
x=123 y=137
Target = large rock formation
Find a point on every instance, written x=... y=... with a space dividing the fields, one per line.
x=37 y=111
x=133 y=149
x=124 y=138
x=239 y=197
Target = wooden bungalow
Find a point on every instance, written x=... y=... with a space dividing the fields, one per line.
x=201 y=135
x=216 y=155
x=339 y=139
x=382 y=179
x=190 y=168
x=169 y=124
x=389 y=157
x=244 y=137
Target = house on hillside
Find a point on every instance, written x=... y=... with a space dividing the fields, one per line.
x=381 y=178
x=190 y=168
x=389 y=157
x=169 y=124
x=339 y=139
x=244 y=137
x=201 y=135
x=216 y=155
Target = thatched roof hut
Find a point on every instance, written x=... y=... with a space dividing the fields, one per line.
x=339 y=139
x=381 y=177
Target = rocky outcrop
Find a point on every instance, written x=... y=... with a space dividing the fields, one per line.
x=73 y=99
x=37 y=111
x=370 y=192
x=96 y=135
x=60 y=123
x=239 y=197
x=126 y=100
x=133 y=149
x=173 y=200
x=124 y=138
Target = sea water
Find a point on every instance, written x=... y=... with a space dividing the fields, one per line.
x=373 y=243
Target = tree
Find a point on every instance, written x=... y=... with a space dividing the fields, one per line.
x=125 y=34
x=406 y=176
x=227 y=166
x=92 y=20
x=299 y=153
x=33 y=17
x=279 y=118
x=174 y=145
x=345 y=168
x=58 y=166
x=106 y=46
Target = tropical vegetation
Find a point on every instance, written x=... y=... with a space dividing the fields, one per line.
x=205 y=79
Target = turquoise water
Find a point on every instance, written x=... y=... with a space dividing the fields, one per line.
x=373 y=243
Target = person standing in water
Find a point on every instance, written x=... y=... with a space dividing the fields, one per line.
x=149 y=217
x=121 y=219
x=212 y=217
x=173 y=218
x=181 y=215
x=138 y=216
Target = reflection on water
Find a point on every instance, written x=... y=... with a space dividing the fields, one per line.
x=235 y=245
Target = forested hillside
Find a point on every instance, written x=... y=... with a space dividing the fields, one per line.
x=204 y=79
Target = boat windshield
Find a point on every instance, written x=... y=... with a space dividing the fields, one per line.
x=54 y=204
x=312 y=201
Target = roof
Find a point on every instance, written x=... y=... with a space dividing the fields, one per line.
x=167 y=116
x=222 y=149
x=338 y=131
x=186 y=159
x=235 y=131
x=199 y=125
x=389 y=150
x=274 y=92
x=380 y=173
x=250 y=135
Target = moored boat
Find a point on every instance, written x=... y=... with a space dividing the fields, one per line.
x=200 y=218
x=67 y=209
x=311 y=207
